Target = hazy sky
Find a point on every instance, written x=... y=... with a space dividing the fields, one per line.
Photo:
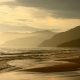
x=32 y=15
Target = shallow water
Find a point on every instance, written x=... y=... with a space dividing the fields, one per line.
x=37 y=76
x=15 y=72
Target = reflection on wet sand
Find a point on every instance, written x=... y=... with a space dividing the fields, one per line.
x=34 y=76
x=45 y=66
x=40 y=66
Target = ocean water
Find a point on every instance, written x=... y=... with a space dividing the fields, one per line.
x=31 y=64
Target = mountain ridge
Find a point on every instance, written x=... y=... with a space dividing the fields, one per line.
x=73 y=43
x=33 y=41
x=62 y=37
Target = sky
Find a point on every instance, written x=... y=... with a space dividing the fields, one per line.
x=35 y=15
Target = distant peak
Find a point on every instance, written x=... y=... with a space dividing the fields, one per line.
x=43 y=31
x=46 y=31
x=78 y=26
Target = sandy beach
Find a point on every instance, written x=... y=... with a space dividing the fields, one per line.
x=21 y=67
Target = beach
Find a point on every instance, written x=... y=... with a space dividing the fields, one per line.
x=47 y=66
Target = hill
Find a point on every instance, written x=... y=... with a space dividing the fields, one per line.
x=62 y=37
x=29 y=42
x=73 y=43
x=6 y=36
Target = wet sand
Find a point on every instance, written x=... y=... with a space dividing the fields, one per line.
x=57 y=68
x=34 y=76
x=62 y=71
x=63 y=65
x=71 y=65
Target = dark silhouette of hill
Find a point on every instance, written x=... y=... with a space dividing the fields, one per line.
x=62 y=37
x=73 y=43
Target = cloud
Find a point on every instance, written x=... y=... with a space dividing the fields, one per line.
x=5 y=0
x=33 y=15
x=23 y=16
x=61 y=8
